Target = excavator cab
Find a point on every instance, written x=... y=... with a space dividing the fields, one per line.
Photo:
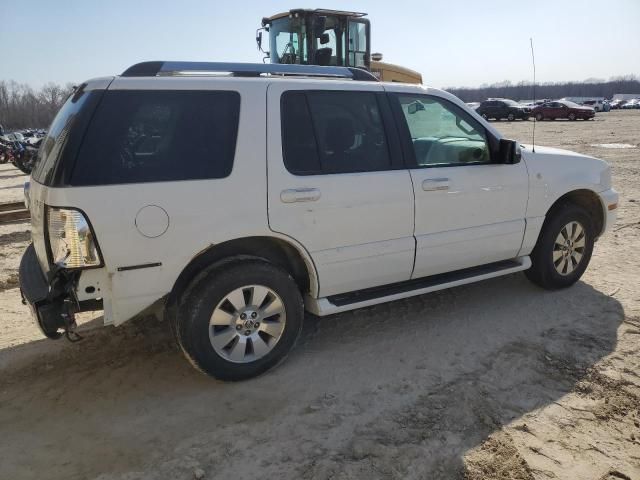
x=317 y=37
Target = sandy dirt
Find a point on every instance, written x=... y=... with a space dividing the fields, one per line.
x=496 y=380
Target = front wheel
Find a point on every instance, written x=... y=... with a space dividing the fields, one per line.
x=539 y=117
x=564 y=248
x=511 y=117
x=572 y=116
x=239 y=319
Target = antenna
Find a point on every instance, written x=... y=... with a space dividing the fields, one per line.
x=533 y=60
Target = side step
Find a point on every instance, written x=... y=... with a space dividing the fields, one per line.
x=387 y=293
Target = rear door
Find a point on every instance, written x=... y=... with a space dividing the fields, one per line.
x=336 y=182
x=469 y=210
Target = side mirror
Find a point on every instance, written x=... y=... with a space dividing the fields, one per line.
x=259 y=39
x=509 y=152
x=324 y=39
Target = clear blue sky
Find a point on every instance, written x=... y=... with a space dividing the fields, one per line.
x=451 y=42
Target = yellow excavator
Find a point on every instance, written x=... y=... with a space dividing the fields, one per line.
x=329 y=38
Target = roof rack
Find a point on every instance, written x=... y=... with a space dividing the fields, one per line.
x=160 y=68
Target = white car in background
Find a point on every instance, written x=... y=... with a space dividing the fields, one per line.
x=632 y=104
x=231 y=203
x=597 y=105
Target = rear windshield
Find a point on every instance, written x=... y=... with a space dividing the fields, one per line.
x=63 y=138
x=157 y=136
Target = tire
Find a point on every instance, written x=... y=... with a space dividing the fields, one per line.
x=572 y=116
x=539 y=117
x=511 y=117
x=565 y=271
x=236 y=355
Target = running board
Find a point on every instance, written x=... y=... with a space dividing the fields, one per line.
x=387 y=293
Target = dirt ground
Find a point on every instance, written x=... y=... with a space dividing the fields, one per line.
x=496 y=380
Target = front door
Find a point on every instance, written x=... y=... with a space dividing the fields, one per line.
x=336 y=182
x=469 y=210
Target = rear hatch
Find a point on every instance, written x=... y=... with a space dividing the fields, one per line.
x=57 y=155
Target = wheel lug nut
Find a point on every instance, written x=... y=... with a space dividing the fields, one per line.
x=238 y=327
x=243 y=316
x=257 y=324
x=254 y=315
x=248 y=332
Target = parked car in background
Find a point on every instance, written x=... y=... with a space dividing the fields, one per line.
x=597 y=105
x=617 y=104
x=473 y=105
x=562 y=109
x=631 y=104
x=500 y=108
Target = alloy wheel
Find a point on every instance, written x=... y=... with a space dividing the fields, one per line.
x=569 y=247
x=247 y=324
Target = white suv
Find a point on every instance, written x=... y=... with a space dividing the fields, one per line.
x=231 y=202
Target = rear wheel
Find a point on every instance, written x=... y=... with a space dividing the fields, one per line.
x=511 y=117
x=572 y=116
x=539 y=117
x=239 y=319
x=564 y=248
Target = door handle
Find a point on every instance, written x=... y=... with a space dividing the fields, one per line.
x=293 y=195
x=435 y=184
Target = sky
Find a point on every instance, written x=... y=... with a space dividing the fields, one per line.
x=453 y=43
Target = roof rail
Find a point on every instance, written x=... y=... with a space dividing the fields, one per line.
x=153 y=69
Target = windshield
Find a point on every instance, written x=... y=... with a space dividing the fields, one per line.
x=288 y=41
x=511 y=102
x=570 y=104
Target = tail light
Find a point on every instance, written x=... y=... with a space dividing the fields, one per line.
x=72 y=243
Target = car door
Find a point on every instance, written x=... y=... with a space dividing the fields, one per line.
x=492 y=111
x=556 y=110
x=470 y=210
x=337 y=184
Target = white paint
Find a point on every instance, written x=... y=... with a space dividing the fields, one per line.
x=359 y=226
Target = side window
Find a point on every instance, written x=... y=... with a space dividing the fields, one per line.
x=357 y=44
x=158 y=136
x=442 y=134
x=327 y=132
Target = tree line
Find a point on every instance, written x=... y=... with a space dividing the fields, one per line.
x=21 y=106
x=525 y=91
x=24 y=107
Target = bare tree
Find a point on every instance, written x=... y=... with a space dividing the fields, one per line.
x=22 y=107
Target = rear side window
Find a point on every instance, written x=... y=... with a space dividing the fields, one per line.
x=159 y=136
x=327 y=132
x=60 y=145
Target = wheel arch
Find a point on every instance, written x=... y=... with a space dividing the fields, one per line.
x=282 y=252
x=587 y=199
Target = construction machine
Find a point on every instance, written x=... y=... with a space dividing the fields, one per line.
x=327 y=37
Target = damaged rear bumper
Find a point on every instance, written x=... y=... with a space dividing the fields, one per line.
x=52 y=300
